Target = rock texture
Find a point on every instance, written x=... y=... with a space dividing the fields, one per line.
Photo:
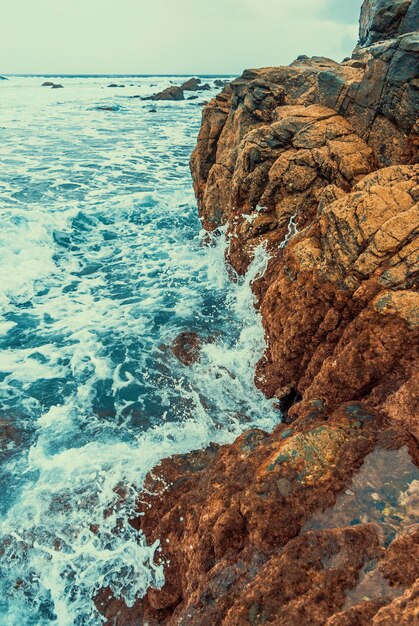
x=315 y=523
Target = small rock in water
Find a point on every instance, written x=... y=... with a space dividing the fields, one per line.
x=57 y=86
x=47 y=84
x=108 y=108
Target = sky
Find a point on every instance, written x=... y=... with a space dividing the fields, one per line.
x=171 y=36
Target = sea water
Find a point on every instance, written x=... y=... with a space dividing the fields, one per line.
x=103 y=264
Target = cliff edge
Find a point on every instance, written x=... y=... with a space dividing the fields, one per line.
x=316 y=523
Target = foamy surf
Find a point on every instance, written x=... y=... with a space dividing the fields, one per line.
x=103 y=267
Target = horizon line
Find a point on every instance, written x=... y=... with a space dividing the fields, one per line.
x=88 y=75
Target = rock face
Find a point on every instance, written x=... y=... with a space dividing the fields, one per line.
x=313 y=524
x=383 y=19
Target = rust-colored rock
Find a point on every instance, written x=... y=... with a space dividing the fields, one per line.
x=316 y=523
x=186 y=347
x=341 y=313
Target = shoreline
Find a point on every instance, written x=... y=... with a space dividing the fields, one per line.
x=314 y=523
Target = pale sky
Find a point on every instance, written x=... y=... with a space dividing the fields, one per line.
x=170 y=36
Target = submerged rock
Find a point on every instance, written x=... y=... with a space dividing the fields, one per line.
x=47 y=84
x=108 y=107
x=186 y=347
x=57 y=86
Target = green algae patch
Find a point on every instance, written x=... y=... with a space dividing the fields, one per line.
x=311 y=453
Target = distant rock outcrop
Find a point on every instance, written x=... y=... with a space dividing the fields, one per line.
x=171 y=93
x=191 y=85
x=176 y=92
x=52 y=85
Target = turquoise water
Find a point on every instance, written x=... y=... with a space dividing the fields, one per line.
x=102 y=265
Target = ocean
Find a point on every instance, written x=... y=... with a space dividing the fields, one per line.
x=103 y=264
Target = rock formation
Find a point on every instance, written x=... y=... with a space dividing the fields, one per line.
x=313 y=524
x=171 y=93
x=191 y=85
x=176 y=92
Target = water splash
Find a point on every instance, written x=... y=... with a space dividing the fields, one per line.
x=292 y=230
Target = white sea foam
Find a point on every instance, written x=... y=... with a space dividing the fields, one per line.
x=103 y=267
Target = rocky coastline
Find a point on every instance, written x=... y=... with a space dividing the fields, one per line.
x=315 y=523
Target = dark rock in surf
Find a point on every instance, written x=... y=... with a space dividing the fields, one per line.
x=47 y=84
x=9 y=438
x=108 y=108
x=191 y=85
x=57 y=86
x=171 y=93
